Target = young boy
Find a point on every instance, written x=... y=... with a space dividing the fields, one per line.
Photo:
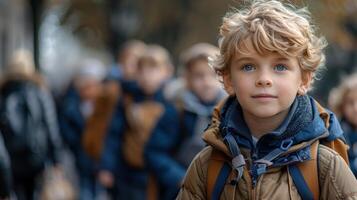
x=119 y=80
x=139 y=116
x=268 y=126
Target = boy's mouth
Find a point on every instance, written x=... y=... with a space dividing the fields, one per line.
x=264 y=96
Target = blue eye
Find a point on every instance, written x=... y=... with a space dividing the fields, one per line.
x=280 y=68
x=248 y=68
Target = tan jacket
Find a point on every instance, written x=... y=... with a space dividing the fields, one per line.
x=335 y=178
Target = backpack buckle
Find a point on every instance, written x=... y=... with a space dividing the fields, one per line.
x=286 y=144
x=238 y=163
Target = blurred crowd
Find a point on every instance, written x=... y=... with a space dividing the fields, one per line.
x=131 y=129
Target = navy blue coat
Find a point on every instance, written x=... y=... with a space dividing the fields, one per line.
x=72 y=124
x=163 y=137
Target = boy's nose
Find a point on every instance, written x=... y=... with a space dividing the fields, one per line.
x=263 y=82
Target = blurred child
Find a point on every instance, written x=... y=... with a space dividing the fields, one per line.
x=343 y=101
x=120 y=80
x=28 y=124
x=76 y=108
x=195 y=105
x=139 y=117
x=203 y=92
x=263 y=141
x=127 y=61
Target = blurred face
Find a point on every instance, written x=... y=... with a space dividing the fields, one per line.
x=129 y=62
x=151 y=76
x=202 y=80
x=89 y=89
x=350 y=107
x=265 y=85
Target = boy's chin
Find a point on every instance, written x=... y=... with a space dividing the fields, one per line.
x=268 y=113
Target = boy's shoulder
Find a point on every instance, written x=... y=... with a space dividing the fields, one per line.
x=335 y=178
x=204 y=155
x=327 y=159
x=199 y=167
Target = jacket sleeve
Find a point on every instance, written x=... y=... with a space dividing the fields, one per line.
x=194 y=183
x=158 y=151
x=336 y=179
x=112 y=147
x=70 y=123
x=50 y=114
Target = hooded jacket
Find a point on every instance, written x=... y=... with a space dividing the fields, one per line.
x=300 y=129
x=44 y=135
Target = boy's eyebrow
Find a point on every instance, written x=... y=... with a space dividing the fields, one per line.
x=249 y=59
x=281 y=59
x=242 y=59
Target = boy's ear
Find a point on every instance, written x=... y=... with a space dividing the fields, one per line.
x=227 y=83
x=306 y=82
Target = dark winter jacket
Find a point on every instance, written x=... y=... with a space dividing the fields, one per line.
x=72 y=124
x=195 y=116
x=31 y=133
x=162 y=137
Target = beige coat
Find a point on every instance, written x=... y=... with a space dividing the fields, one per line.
x=335 y=178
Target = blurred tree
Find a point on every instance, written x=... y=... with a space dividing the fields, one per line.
x=16 y=27
x=36 y=12
x=87 y=20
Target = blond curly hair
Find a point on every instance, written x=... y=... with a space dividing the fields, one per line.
x=271 y=27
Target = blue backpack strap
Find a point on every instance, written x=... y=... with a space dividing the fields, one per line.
x=305 y=175
x=217 y=174
x=221 y=181
x=300 y=183
x=238 y=161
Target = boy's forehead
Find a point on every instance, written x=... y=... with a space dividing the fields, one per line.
x=246 y=48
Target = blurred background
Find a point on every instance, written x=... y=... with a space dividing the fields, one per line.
x=61 y=32
x=78 y=47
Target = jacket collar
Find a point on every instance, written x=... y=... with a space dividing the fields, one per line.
x=313 y=131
